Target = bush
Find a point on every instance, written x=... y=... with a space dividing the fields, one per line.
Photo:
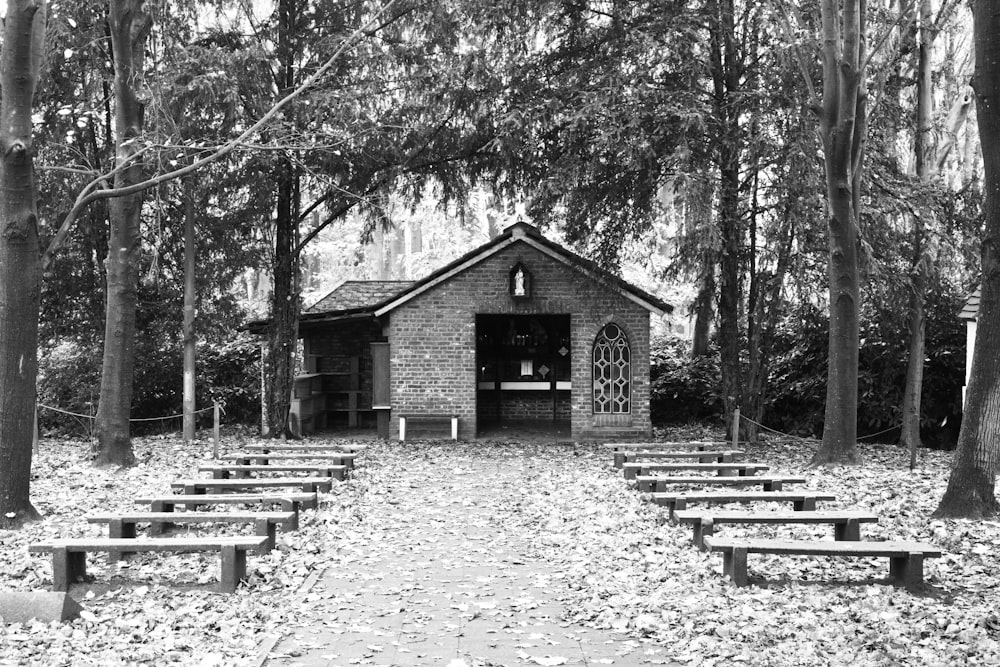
x=683 y=389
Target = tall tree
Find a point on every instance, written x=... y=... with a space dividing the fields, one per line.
x=971 y=487
x=129 y=23
x=20 y=62
x=843 y=122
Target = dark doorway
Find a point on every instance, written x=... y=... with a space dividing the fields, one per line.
x=524 y=372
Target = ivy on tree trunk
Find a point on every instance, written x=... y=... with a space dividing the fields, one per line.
x=23 y=48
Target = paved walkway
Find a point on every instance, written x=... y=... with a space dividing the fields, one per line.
x=444 y=576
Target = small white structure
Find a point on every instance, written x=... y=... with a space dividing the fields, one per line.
x=970 y=313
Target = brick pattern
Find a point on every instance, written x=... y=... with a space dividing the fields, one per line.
x=433 y=340
x=524 y=405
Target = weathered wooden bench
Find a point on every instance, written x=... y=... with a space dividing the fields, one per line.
x=263 y=458
x=846 y=525
x=407 y=420
x=331 y=448
x=906 y=559
x=289 y=502
x=768 y=482
x=801 y=500
x=69 y=556
x=633 y=470
x=224 y=471
x=124 y=525
x=703 y=455
x=204 y=486
x=681 y=445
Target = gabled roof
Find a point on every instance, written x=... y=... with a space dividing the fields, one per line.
x=357 y=294
x=522 y=232
x=971 y=309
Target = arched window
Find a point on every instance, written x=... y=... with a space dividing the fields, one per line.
x=612 y=372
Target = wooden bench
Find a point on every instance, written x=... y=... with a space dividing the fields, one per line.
x=681 y=445
x=846 y=525
x=632 y=470
x=289 y=502
x=332 y=449
x=801 y=500
x=768 y=482
x=337 y=472
x=906 y=559
x=703 y=455
x=423 y=420
x=124 y=525
x=263 y=458
x=204 y=486
x=69 y=556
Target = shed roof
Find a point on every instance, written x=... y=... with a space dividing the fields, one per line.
x=971 y=309
x=352 y=294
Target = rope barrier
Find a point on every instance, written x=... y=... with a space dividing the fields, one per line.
x=767 y=428
x=144 y=419
x=787 y=435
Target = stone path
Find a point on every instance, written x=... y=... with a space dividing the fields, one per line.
x=445 y=579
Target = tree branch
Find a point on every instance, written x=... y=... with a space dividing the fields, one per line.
x=84 y=200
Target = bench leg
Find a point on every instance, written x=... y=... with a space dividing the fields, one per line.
x=619 y=459
x=118 y=529
x=292 y=506
x=804 y=505
x=337 y=474
x=454 y=428
x=907 y=571
x=774 y=485
x=702 y=528
x=849 y=531
x=220 y=474
x=234 y=568
x=631 y=473
x=265 y=528
x=67 y=567
x=402 y=429
x=734 y=565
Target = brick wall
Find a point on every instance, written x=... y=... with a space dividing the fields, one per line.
x=433 y=340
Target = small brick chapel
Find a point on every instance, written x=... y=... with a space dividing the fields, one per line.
x=519 y=331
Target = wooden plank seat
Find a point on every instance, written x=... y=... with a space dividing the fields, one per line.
x=69 y=556
x=801 y=500
x=679 y=444
x=906 y=559
x=703 y=455
x=263 y=458
x=659 y=483
x=124 y=525
x=227 y=471
x=289 y=502
x=846 y=525
x=406 y=421
x=331 y=448
x=205 y=486
x=632 y=470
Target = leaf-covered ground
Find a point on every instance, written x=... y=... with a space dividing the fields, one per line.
x=621 y=564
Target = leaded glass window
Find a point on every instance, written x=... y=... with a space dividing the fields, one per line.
x=612 y=372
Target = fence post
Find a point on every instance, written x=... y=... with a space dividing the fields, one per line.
x=215 y=431
x=736 y=428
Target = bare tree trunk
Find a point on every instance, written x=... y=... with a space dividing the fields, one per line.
x=23 y=50
x=130 y=25
x=910 y=435
x=842 y=126
x=190 y=298
x=956 y=119
x=971 y=486
x=698 y=211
